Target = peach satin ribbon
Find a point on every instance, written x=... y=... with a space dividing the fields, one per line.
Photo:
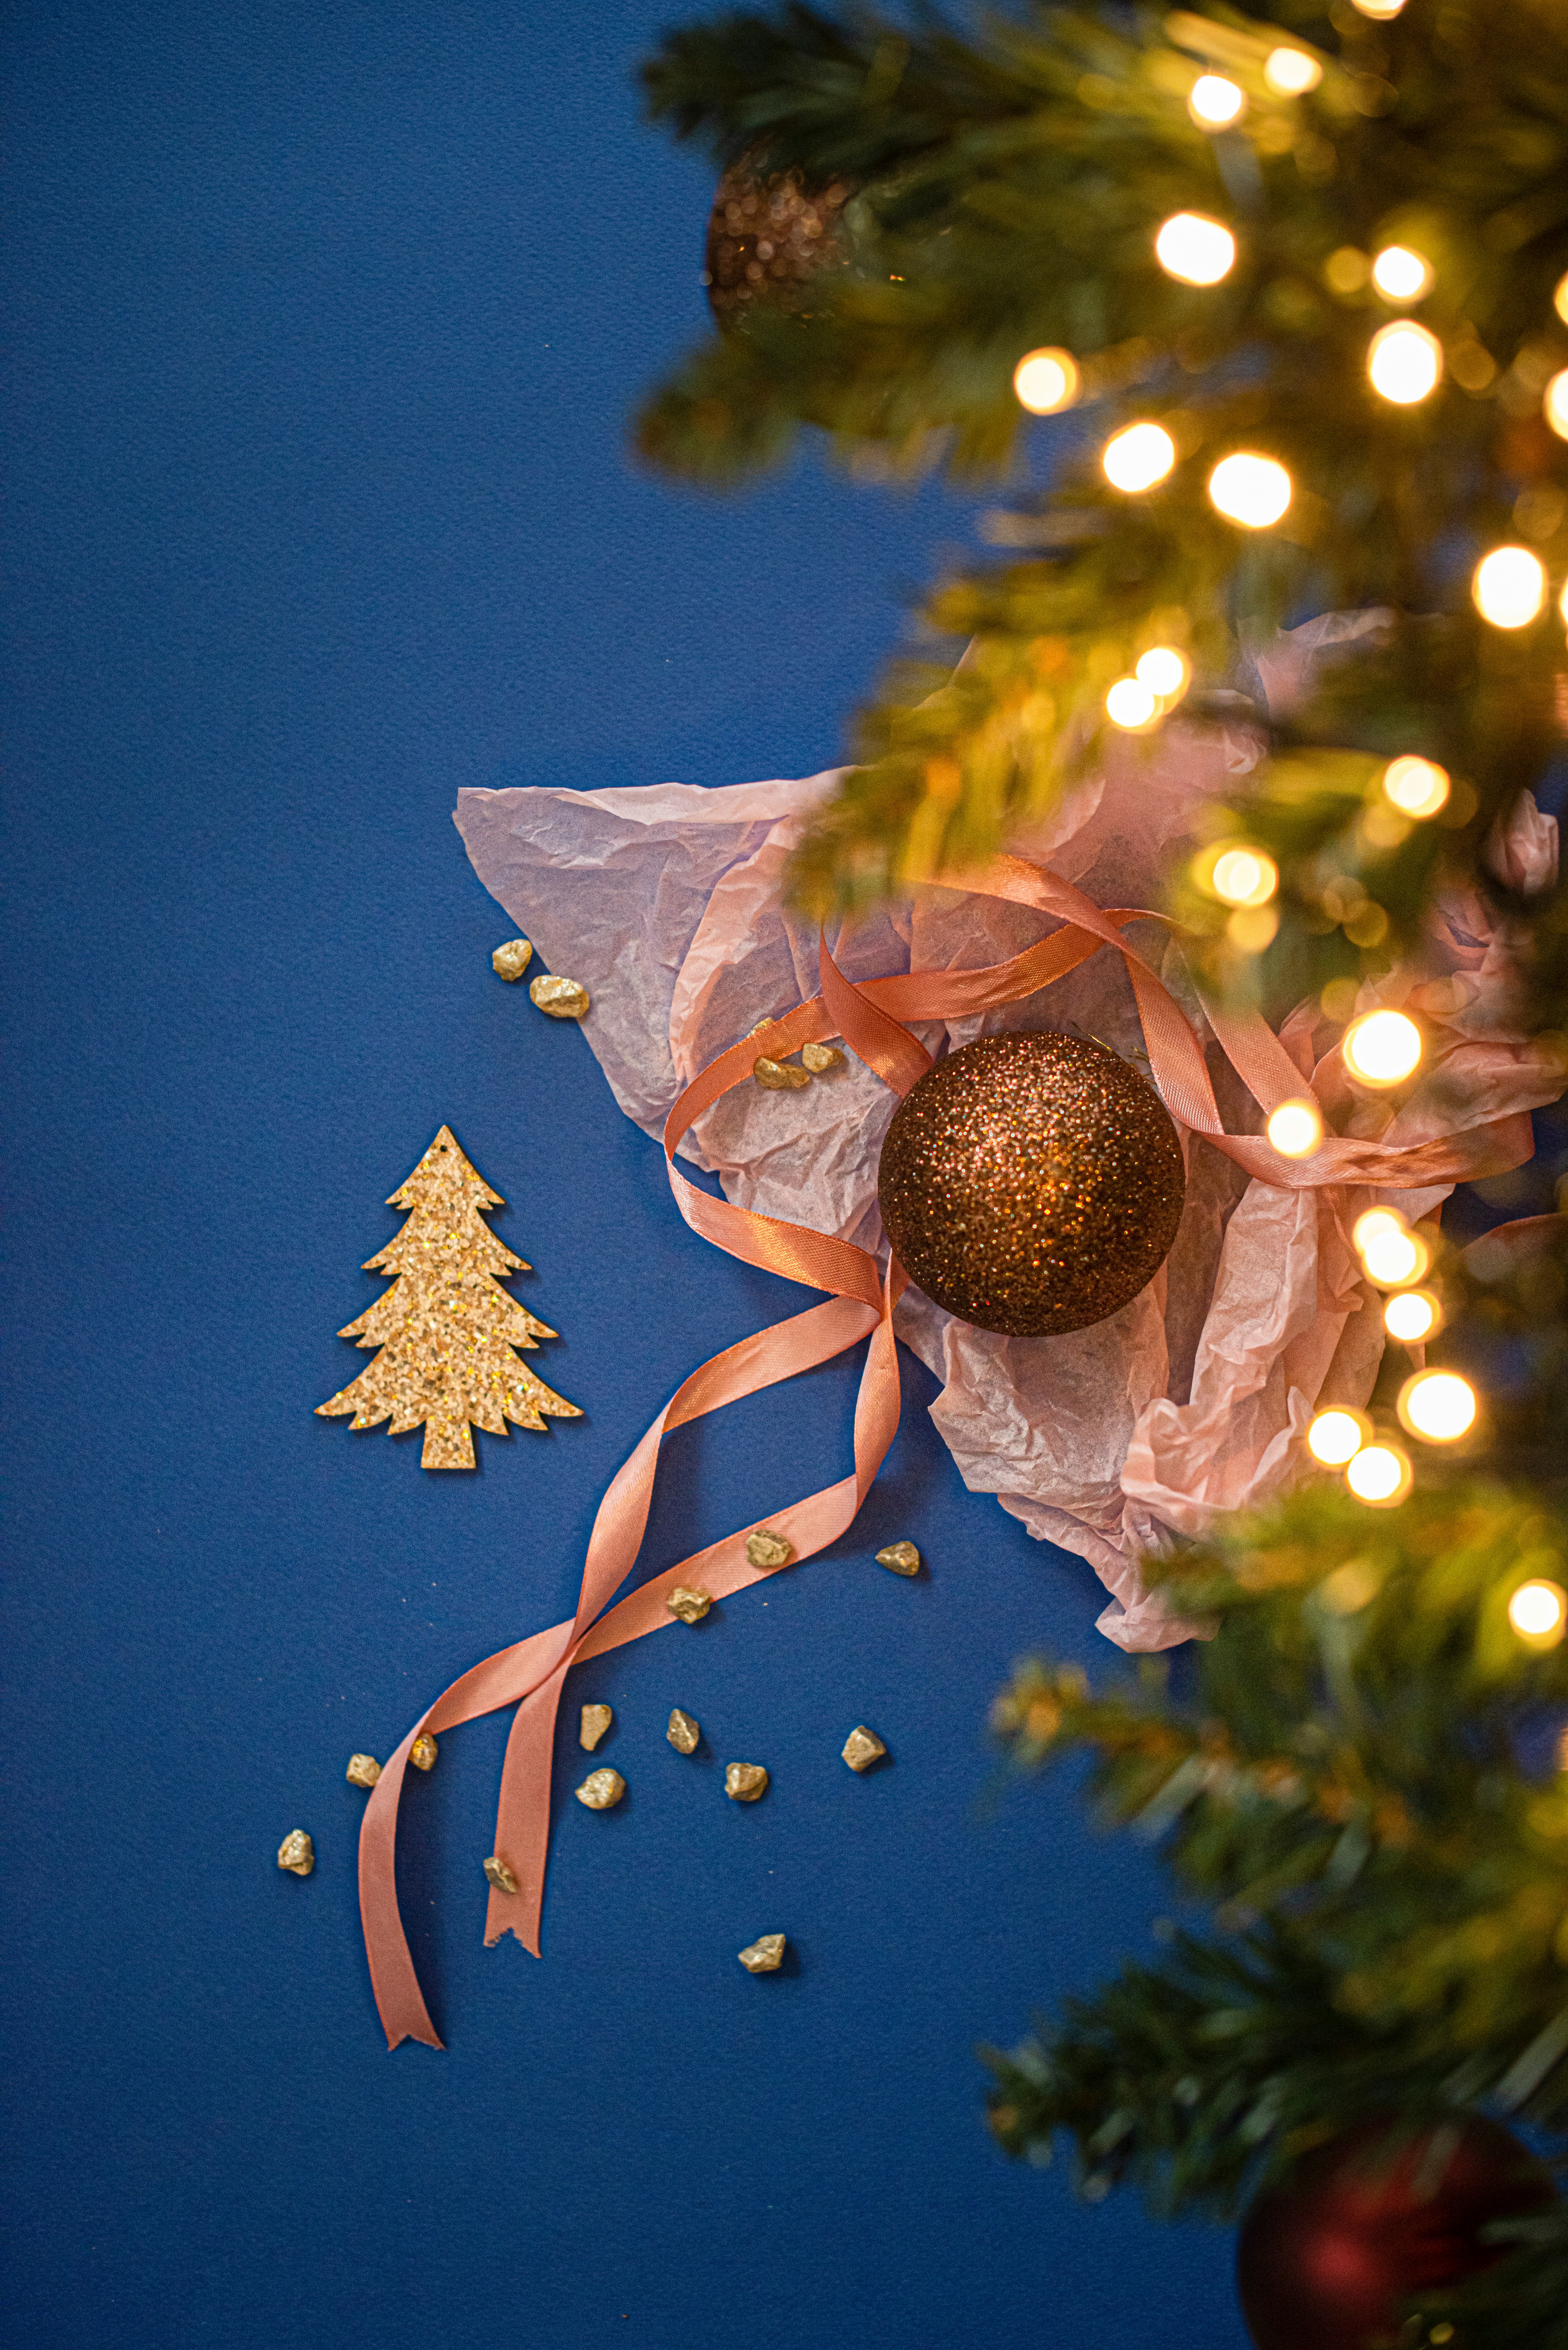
x=870 y=1017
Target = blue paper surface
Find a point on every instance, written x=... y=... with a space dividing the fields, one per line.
x=326 y=324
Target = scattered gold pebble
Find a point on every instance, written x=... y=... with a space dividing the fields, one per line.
x=563 y=999
x=862 y=1748
x=296 y=1853
x=601 y=1791
x=423 y=1751
x=820 y=1057
x=765 y=1956
x=597 y=1720
x=363 y=1770
x=683 y=1732
x=745 y=1781
x=779 y=1077
x=688 y=1604
x=903 y=1558
x=765 y=1023
x=500 y=1876
x=765 y=1548
x=513 y=960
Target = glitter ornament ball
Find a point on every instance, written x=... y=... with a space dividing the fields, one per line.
x=770 y=240
x=1329 y=2262
x=1032 y=1184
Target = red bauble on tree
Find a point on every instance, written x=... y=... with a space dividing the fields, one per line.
x=1373 y=2222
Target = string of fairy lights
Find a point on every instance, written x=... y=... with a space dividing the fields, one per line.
x=1383 y=1048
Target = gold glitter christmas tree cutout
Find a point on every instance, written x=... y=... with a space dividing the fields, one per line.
x=446 y=1328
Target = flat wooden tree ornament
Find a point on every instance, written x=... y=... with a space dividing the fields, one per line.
x=446 y=1328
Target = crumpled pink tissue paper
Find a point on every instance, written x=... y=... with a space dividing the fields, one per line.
x=665 y=901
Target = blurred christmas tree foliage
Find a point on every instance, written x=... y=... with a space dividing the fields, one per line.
x=1298 y=288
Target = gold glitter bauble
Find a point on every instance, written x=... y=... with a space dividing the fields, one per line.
x=1032 y=1184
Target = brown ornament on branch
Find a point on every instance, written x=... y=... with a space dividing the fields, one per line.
x=1372 y=2222
x=1032 y=1184
x=771 y=241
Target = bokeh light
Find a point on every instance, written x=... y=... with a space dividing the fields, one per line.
x=1395 y=1259
x=1215 y=102
x=1251 y=490
x=1139 y=456
x=1509 y=587
x=1439 y=1406
x=1131 y=704
x=1291 y=72
x=1295 y=1128
x=1196 y=249
x=1164 y=670
x=1380 y=1474
x=1380 y=11
x=1538 y=1612
x=1382 y=1048
x=1400 y=274
x=1411 y=1315
x=1047 y=381
x=1416 y=788
x=1554 y=403
x=1244 y=877
x=1405 y=363
x=1560 y=299
x=1338 y=1435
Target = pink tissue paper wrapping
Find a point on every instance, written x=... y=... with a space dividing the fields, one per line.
x=665 y=901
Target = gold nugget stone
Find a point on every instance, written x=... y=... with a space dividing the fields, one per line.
x=363 y=1770
x=818 y=1057
x=780 y=1076
x=601 y=1791
x=765 y=1956
x=423 y=1751
x=296 y=1853
x=683 y=1732
x=862 y=1748
x=688 y=1604
x=597 y=1720
x=765 y=1548
x=902 y=1558
x=563 y=999
x=500 y=1876
x=745 y=1781
x=513 y=960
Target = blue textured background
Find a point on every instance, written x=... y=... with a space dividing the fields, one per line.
x=326 y=324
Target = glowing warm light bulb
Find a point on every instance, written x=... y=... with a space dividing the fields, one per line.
x=1244 y=877
x=1214 y=102
x=1138 y=457
x=1538 y=1612
x=1509 y=587
x=1046 y=381
x=1400 y=274
x=1164 y=670
x=1131 y=704
x=1560 y=299
x=1394 y=1259
x=1405 y=363
x=1554 y=403
x=1291 y=72
x=1376 y=1219
x=1439 y=1406
x=1412 y=1315
x=1336 y=1436
x=1251 y=490
x=1416 y=788
x=1382 y=1048
x=1380 y=1474
x=1295 y=1128
x=1194 y=248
